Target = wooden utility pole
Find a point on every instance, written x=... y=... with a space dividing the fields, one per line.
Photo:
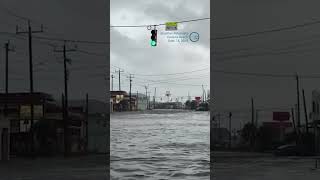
x=7 y=49
x=298 y=102
x=252 y=112
x=30 y=32
x=253 y=124
x=137 y=99
x=146 y=87
x=87 y=122
x=112 y=82
x=130 y=79
x=293 y=121
x=66 y=106
x=119 y=71
x=305 y=112
x=230 y=115
x=154 y=98
x=219 y=121
x=149 y=100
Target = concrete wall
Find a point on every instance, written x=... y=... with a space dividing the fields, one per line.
x=97 y=131
x=142 y=103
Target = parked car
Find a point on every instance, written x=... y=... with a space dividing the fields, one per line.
x=292 y=150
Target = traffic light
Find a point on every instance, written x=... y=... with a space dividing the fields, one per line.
x=153 y=40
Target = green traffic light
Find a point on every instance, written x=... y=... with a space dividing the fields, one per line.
x=153 y=43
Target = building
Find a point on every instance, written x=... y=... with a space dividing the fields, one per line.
x=142 y=102
x=221 y=137
x=48 y=125
x=169 y=105
x=98 y=118
x=120 y=101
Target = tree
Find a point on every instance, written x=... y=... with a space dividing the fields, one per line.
x=188 y=104
x=248 y=134
x=193 y=104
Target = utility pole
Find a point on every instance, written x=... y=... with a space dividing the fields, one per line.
x=253 y=124
x=305 y=112
x=146 y=87
x=149 y=99
x=298 y=102
x=137 y=100
x=112 y=82
x=252 y=112
x=130 y=78
x=66 y=107
x=219 y=121
x=30 y=32
x=154 y=98
x=257 y=111
x=230 y=115
x=87 y=122
x=203 y=94
x=119 y=71
x=7 y=48
x=293 y=121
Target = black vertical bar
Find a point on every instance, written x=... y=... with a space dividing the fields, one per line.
x=66 y=113
x=31 y=86
x=87 y=121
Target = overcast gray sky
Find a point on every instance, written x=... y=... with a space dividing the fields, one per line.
x=248 y=16
x=131 y=51
x=72 y=19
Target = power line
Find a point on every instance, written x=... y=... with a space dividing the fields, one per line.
x=268 y=75
x=11 y=13
x=71 y=40
x=172 y=73
x=61 y=39
x=259 y=54
x=267 y=31
x=147 y=25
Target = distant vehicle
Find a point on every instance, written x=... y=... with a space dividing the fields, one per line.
x=287 y=150
x=292 y=150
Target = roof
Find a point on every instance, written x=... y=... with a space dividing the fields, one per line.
x=24 y=97
x=94 y=106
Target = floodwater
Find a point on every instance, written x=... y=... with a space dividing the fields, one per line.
x=160 y=144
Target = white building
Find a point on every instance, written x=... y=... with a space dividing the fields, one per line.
x=142 y=102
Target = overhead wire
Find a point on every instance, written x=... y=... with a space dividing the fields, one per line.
x=147 y=25
x=286 y=28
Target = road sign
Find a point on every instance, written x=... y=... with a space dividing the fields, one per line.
x=171 y=26
x=281 y=116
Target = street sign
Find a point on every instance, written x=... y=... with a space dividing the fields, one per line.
x=171 y=26
x=281 y=116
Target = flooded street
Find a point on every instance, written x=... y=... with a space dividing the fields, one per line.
x=160 y=144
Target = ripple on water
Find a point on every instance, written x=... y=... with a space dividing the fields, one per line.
x=160 y=146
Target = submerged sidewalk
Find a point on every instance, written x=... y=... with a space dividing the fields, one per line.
x=56 y=168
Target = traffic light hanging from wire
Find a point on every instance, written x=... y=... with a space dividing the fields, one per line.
x=153 y=40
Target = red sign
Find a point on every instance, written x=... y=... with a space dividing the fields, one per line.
x=281 y=116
